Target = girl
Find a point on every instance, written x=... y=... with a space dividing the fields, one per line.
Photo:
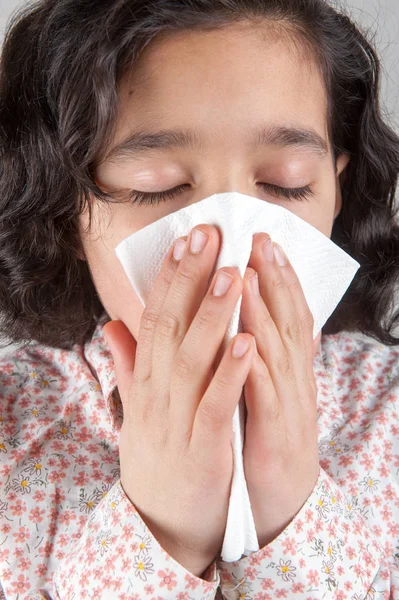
x=116 y=453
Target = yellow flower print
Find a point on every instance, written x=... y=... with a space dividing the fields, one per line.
x=33 y=466
x=104 y=541
x=145 y=544
x=2 y=447
x=64 y=430
x=286 y=570
x=22 y=484
x=87 y=503
x=332 y=551
x=143 y=566
x=369 y=484
x=322 y=507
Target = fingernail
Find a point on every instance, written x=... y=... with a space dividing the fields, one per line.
x=222 y=284
x=198 y=241
x=240 y=347
x=254 y=283
x=280 y=256
x=267 y=249
x=178 y=250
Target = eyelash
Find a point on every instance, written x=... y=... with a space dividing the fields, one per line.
x=140 y=198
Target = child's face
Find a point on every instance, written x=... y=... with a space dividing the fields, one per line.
x=223 y=85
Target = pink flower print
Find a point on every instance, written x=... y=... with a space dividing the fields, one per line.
x=167 y=579
x=66 y=517
x=63 y=540
x=192 y=582
x=84 y=435
x=36 y=514
x=289 y=545
x=386 y=513
x=383 y=470
x=57 y=496
x=250 y=573
x=39 y=496
x=18 y=551
x=313 y=577
x=345 y=461
x=21 y=535
x=24 y=564
x=81 y=479
x=20 y=586
x=367 y=461
x=182 y=596
x=4 y=555
x=128 y=531
x=18 y=509
x=267 y=584
x=56 y=476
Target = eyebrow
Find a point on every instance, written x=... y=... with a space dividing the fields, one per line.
x=283 y=136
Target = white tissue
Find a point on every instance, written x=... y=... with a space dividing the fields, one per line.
x=324 y=270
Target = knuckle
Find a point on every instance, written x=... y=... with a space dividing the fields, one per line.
x=188 y=275
x=149 y=319
x=184 y=366
x=169 y=326
x=293 y=331
x=207 y=316
x=264 y=321
x=283 y=366
x=278 y=282
x=212 y=415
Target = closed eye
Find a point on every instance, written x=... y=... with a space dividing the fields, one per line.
x=140 y=198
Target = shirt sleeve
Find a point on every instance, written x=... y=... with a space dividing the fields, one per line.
x=118 y=557
x=326 y=551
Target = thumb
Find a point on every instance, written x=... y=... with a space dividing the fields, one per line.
x=123 y=349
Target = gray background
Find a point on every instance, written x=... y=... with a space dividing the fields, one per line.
x=379 y=17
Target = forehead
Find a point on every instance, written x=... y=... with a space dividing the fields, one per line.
x=223 y=80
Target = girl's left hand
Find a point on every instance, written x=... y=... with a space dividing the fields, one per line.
x=281 y=459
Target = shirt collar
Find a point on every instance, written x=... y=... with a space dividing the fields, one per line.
x=98 y=355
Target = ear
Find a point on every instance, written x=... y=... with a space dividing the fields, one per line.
x=342 y=161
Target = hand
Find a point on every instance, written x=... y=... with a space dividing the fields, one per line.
x=175 y=443
x=281 y=460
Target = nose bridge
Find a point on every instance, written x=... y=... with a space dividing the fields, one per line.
x=224 y=173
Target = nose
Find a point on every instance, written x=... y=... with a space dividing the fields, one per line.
x=227 y=175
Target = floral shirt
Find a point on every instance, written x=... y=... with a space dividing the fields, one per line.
x=68 y=530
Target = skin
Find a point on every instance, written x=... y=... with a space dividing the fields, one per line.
x=221 y=83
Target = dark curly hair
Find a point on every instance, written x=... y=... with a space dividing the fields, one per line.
x=61 y=63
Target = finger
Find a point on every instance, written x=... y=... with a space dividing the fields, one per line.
x=150 y=317
x=198 y=352
x=184 y=297
x=123 y=349
x=257 y=320
x=276 y=295
x=262 y=403
x=213 y=420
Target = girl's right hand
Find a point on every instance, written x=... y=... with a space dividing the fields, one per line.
x=176 y=454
